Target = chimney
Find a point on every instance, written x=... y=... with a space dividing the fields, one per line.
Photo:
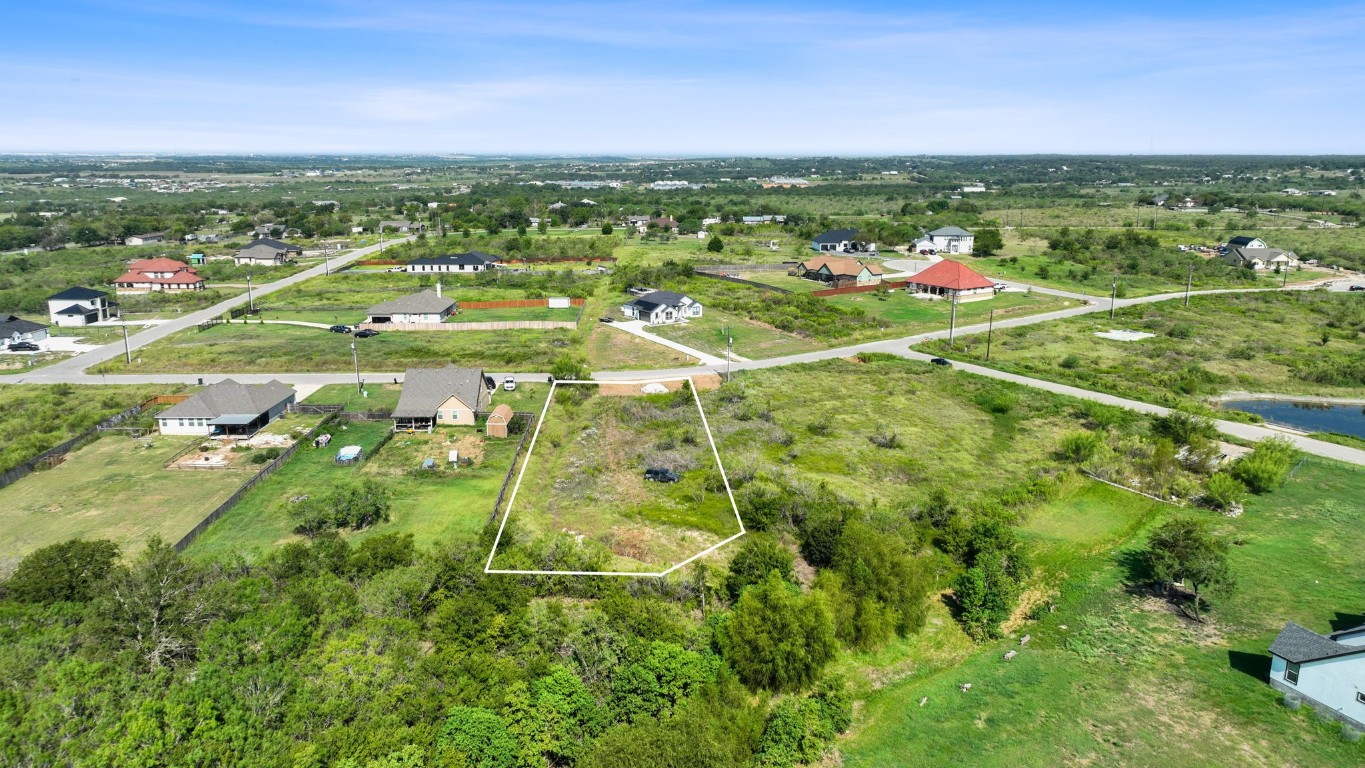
x=438 y=287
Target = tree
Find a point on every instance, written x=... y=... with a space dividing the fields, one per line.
x=777 y=638
x=606 y=228
x=715 y=244
x=1266 y=467
x=480 y=736
x=156 y=607
x=985 y=594
x=1185 y=550
x=1223 y=491
x=569 y=368
x=66 y=572
x=759 y=556
x=987 y=242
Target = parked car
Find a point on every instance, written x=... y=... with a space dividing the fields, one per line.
x=365 y=333
x=509 y=384
x=661 y=475
x=1352 y=288
x=927 y=252
x=340 y=329
x=605 y=320
x=941 y=361
x=28 y=346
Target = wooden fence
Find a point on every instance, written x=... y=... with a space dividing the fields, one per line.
x=500 y=325
x=232 y=500
x=57 y=452
x=740 y=280
x=857 y=289
x=530 y=422
x=515 y=304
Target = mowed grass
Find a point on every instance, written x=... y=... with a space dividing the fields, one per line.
x=585 y=478
x=1257 y=342
x=505 y=314
x=1113 y=677
x=36 y=417
x=609 y=349
x=377 y=397
x=240 y=348
x=916 y=315
x=433 y=505
x=114 y=488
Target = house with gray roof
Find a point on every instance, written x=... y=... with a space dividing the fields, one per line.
x=397 y=225
x=14 y=328
x=1325 y=671
x=1260 y=258
x=662 y=308
x=945 y=240
x=447 y=395
x=840 y=241
x=227 y=408
x=79 y=306
x=421 y=307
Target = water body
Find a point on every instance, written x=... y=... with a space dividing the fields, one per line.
x=1310 y=417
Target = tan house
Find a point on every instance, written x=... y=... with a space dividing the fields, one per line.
x=498 y=421
x=447 y=395
x=839 y=271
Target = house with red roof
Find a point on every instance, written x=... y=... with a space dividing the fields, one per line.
x=160 y=274
x=951 y=280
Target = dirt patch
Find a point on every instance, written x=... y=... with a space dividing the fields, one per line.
x=632 y=389
x=470 y=447
x=707 y=381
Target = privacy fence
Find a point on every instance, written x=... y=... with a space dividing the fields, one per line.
x=54 y=455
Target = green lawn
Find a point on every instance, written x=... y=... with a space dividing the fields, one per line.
x=1259 y=342
x=780 y=279
x=915 y=315
x=115 y=488
x=233 y=348
x=1114 y=678
x=751 y=339
x=584 y=478
x=569 y=314
x=526 y=398
x=377 y=397
x=434 y=505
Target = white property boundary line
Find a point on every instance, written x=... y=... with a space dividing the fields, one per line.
x=488 y=567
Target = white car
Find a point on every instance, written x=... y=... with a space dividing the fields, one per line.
x=509 y=384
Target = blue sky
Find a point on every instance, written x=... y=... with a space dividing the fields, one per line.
x=682 y=78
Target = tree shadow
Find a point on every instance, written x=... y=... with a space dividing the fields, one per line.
x=1346 y=621
x=1256 y=665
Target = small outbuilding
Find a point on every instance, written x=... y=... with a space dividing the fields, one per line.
x=499 y=420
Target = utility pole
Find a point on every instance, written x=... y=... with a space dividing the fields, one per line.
x=952 y=320
x=250 y=305
x=326 y=262
x=1189 y=282
x=1284 y=270
x=990 y=330
x=127 y=352
x=729 y=351
x=355 y=355
x=1114 y=297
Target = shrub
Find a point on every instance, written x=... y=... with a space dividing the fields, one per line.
x=1223 y=491
x=1079 y=447
x=479 y=735
x=759 y=556
x=1266 y=467
x=778 y=639
x=266 y=456
x=1071 y=361
x=822 y=426
x=888 y=439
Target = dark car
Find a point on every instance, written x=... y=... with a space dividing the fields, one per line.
x=1352 y=288
x=23 y=346
x=661 y=475
x=940 y=361
x=366 y=333
x=605 y=320
x=340 y=329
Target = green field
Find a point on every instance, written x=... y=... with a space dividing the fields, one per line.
x=1114 y=677
x=434 y=505
x=377 y=397
x=1070 y=277
x=584 y=479
x=912 y=315
x=36 y=417
x=116 y=489
x=1257 y=342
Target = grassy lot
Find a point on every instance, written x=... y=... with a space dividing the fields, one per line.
x=1260 y=342
x=116 y=489
x=36 y=417
x=610 y=349
x=569 y=314
x=1113 y=676
x=526 y=398
x=780 y=279
x=915 y=315
x=751 y=339
x=381 y=397
x=358 y=290
x=1071 y=277
x=585 y=479
x=239 y=347
x=434 y=505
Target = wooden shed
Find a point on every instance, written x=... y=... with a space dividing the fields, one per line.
x=498 y=421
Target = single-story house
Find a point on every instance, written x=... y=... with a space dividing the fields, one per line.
x=840 y=241
x=1326 y=671
x=498 y=421
x=402 y=226
x=147 y=239
x=946 y=240
x=434 y=396
x=662 y=308
x=227 y=408
x=79 y=306
x=260 y=256
x=840 y=271
x=1260 y=258
x=423 y=307
x=474 y=261
x=1245 y=241
x=14 y=328
x=160 y=274
x=269 y=230
x=952 y=280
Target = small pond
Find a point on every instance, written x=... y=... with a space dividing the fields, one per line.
x=1310 y=417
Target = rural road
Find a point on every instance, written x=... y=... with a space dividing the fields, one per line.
x=72 y=371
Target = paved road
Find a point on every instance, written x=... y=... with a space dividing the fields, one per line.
x=73 y=368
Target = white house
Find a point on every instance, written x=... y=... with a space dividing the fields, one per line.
x=1243 y=241
x=1325 y=671
x=946 y=240
x=266 y=252
x=227 y=408
x=662 y=308
x=148 y=239
x=79 y=306
x=423 y=307
x=474 y=261
x=14 y=328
